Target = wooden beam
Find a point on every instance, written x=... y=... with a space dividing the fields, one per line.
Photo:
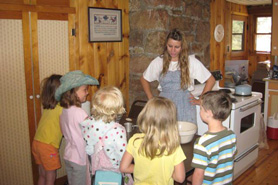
x=29 y=86
x=10 y=15
x=35 y=8
x=239 y=13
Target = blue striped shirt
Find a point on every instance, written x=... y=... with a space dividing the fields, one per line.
x=214 y=153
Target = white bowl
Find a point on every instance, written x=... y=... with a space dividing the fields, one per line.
x=187 y=131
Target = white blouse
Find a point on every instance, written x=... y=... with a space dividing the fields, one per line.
x=196 y=71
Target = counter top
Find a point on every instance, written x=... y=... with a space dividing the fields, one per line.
x=270 y=80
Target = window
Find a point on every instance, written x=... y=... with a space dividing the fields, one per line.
x=263 y=34
x=238 y=35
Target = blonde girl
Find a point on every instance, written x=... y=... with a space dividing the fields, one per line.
x=157 y=153
x=107 y=104
x=72 y=92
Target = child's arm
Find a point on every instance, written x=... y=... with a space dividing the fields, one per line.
x=179 y=173
x=198 y=176
x=126 y=165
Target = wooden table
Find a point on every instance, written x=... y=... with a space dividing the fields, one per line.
x=187 y=148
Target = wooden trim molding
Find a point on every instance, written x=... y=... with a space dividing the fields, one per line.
x=35 y=8
x=10 y=14
x=239 y=13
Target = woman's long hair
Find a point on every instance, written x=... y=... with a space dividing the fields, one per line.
x=158 y=122
x=183 y=63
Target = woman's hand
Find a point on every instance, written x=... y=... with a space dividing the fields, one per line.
x=209 y=85
x=193 y=100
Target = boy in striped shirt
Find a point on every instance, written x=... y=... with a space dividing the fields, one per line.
x=214 y=152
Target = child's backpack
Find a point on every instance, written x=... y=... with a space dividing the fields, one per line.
x=107 y=178
x=102 y=169
x=99 y=160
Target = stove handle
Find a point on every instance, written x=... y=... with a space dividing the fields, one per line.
x=247 y=153
x=250 y=106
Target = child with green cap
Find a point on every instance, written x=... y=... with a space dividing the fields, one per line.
x=71 y=93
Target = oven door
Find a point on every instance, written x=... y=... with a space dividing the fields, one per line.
x=245 y=122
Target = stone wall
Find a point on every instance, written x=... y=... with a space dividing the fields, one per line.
x=150 y=22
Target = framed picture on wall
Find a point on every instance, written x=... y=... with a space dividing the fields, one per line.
x=105 y=25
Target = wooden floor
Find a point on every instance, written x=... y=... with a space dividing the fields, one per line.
x=265 y=170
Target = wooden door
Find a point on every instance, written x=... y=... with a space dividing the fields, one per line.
x=33 y=46
x=15 y=157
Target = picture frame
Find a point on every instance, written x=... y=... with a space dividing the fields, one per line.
x=105 y=25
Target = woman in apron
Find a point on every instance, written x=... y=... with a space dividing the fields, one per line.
x=175 y=71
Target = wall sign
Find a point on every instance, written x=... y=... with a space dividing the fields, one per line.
x=105 y=25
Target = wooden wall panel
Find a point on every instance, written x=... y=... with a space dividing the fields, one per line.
x=10 y=15
x=124 y=70
x=238 y=9
x=100 y=50
x=12 y=1
x=53 y=2
x=52 y=16
x=106 y=61
x=73 y=54
x=217 y=60
x=112 y=52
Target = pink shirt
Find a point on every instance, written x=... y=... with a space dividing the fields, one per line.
x=75 y=144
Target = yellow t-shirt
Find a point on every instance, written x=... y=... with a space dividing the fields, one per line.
x=49 y=131
x=156 y=171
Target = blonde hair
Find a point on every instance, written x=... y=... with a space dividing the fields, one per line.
x=183 y=62
x=158 y=122
x=107 y=104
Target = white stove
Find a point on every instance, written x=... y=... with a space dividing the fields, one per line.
x=239 y=101
x=244 y=120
